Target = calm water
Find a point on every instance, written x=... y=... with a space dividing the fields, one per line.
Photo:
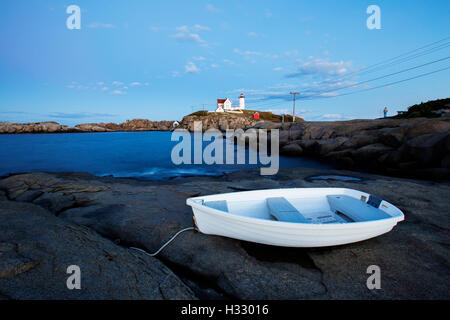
x=143 y=155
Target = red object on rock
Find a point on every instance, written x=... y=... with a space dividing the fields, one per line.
x=256 y=116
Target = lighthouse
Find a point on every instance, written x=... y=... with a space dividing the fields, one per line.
x=241 y=101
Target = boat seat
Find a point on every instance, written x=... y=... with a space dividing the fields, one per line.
x=283 y=210
x=219 y=205
x=356 y=210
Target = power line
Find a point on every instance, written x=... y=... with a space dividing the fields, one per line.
x=320 y=93
x=381 y=77
x=391 y=60
x=369 y=89
x=381 y=86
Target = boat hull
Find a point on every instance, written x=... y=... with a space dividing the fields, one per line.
x=286 y=234
x=289 y=234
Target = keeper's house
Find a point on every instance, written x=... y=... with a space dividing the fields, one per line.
x=224 y=105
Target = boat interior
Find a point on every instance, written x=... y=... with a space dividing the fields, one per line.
x=324 y=209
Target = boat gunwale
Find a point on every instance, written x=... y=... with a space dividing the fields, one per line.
x=291 y=225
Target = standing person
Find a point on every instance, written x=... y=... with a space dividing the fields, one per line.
x=385 y=111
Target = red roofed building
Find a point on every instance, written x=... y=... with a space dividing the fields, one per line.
x=224 y=105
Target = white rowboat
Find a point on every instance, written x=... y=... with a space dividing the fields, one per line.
x=300 y=217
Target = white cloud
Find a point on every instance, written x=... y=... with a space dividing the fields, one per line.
x=214 y=65
x=277 y=69
x=193 y=37
x=118 y=92
x=247 y=52
x=323 y=67
x=182 y=28
x=186 y=33
x=211 y=8
x=190 y=67
x=135 y=84
x=199 y=58
x=228 y=61
x=117 y=83
x=268 y=13
x=291 y=53
x=96 y=25
x=199 y=27
x=154 y=29
x=105 y=89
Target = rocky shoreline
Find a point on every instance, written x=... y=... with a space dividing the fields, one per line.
x=52 y=220
x=418 y=147
x=221 y=121
x=55 y=127
x=415 y=147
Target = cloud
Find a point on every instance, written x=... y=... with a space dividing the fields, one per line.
x=96 y=25
x=268 y=13
x=78 y=115
x=291 y=53
x=190 y=34
x=190 y=67
x=211 y=8
x=117 y=83
x=322 y=67
x=135 y=84
x=199 y=58
x=76 y=85
x=189 y=37
x=255 y=35
x=182 y=28
x=155 y=28
x=118 y=92
x=213 y=65
x=228 y=61
x=199 y=27
x=194 y=37
x=247 y=52
x=277 y=69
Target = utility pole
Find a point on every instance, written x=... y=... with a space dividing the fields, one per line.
x=203 y=107
x=293 y=110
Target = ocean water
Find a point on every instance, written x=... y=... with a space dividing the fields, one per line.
x=142 y=155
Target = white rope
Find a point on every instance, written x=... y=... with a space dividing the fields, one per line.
x=170 y=240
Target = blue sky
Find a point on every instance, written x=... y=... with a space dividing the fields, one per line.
x=163 y=59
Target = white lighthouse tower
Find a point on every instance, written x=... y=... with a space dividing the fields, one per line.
x=241 y=101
